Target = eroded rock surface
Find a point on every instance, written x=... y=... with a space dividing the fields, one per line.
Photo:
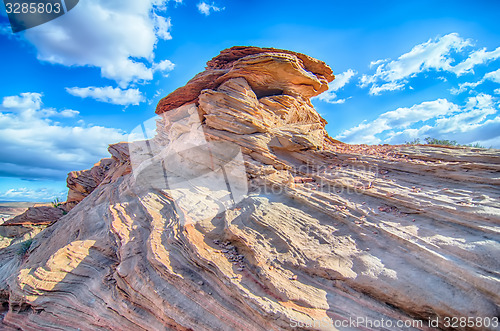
x=42 y=215
x=268 y=70
x=326 y=231
x=82 y=183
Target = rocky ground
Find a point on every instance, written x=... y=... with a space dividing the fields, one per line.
x=241 y=213
x=9 y=210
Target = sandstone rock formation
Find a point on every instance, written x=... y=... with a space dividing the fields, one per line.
x=267 y=70
x=9 y=210
x=43 y=215
x=82 y=183
x=326 y=232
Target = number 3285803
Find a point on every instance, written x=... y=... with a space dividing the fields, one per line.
x=33 y=8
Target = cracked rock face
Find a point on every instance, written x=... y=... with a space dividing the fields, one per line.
x=319 y=233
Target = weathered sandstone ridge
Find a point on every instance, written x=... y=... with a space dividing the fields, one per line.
x=267 y=70
x=324 y=231
x=43 y=215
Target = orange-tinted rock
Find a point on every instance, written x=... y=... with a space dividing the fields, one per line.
x=189 y=92
x=268 y=71
x=82 y=183
x=283 y=121
x=227 y=57
x=276 y=73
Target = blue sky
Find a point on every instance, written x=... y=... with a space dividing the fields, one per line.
x=405 y=70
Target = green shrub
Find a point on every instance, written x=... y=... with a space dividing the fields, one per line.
x=25 y=246
x=476 y=145
x=415 y=141
x=56 y=203
x=442 y=142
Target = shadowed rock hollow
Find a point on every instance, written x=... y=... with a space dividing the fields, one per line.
x=303 y=228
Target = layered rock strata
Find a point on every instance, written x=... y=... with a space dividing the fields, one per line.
x=323 y=232
x=267 y=70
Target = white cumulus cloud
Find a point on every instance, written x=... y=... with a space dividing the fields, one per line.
x=436 y=54
x=475 y=121
x=35 y=147
x=22 y=102
x=164 y=66
x=162 y=26
x=399 y=118
x=69 y=113
x=117 y=36
x=108 y=94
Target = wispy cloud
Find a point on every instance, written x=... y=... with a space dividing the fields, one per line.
x=29 y=194
x=5 y=29
x=475 y=58
x=493 y=76
x=435 y=54
x=462 y=87
x=206 y=8
x=475 y=121
x=108 y=94
x=374 y=63
x=339 y=82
